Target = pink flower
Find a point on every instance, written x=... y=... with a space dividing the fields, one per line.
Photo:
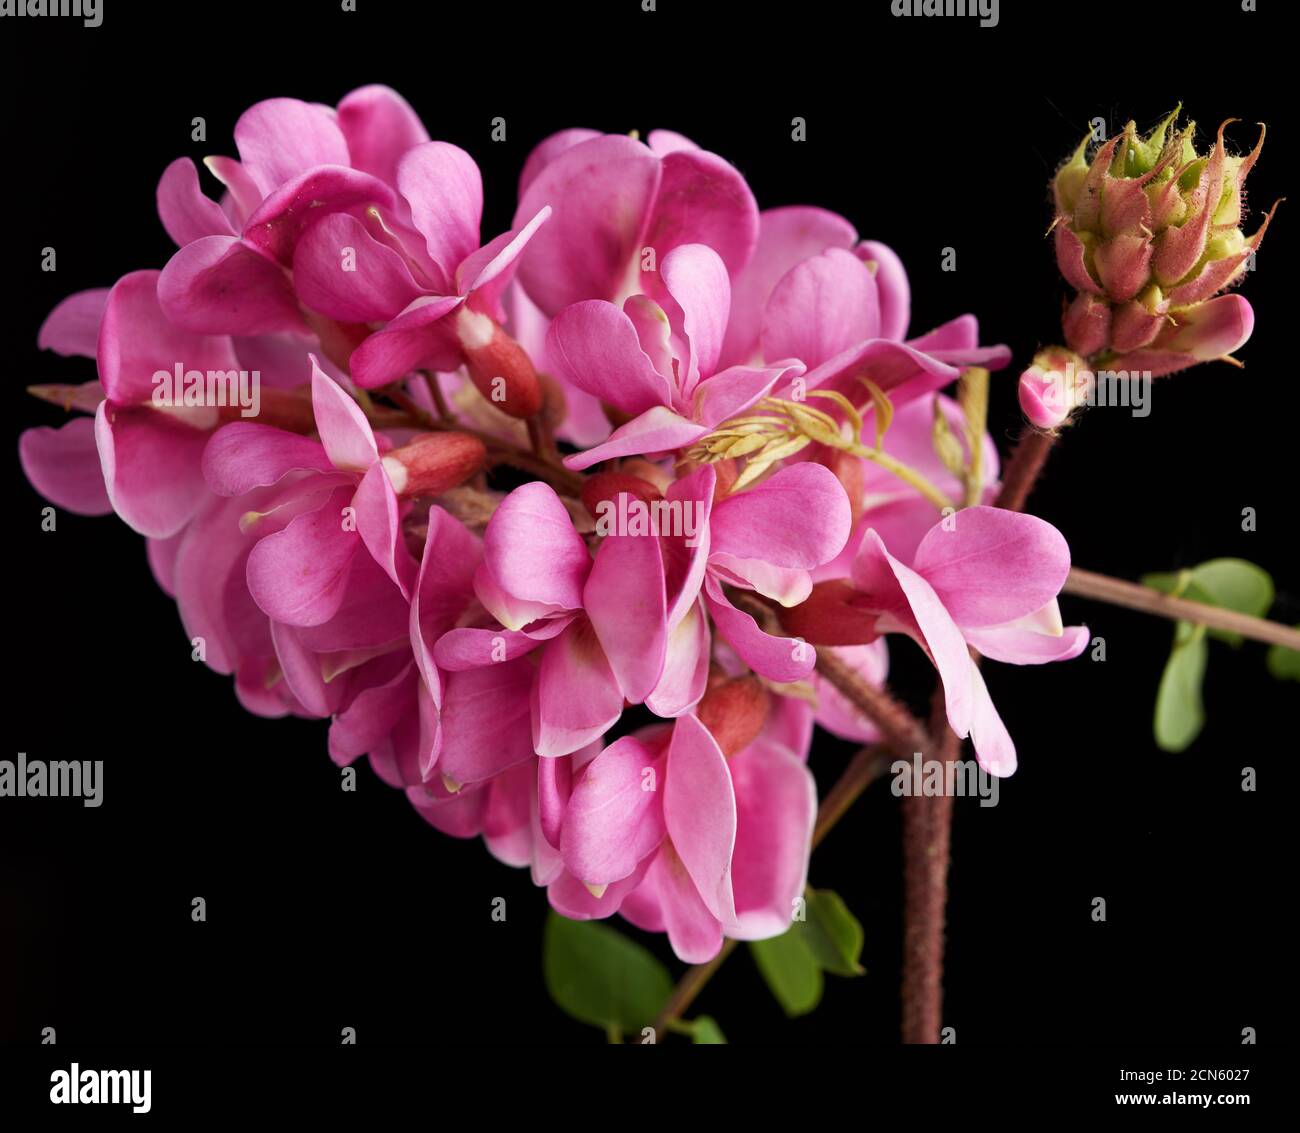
x=983 y=578
x=614 y=200
x=679 y=837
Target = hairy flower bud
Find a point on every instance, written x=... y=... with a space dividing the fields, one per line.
x=498 y=366
x=1050 y=390
x=734 y=711
x=605 y=487
x=433 y=463
x=1146 y=232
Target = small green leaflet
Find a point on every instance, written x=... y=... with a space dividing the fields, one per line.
x=706 y=1032
x=828 y=940
x=1230 y=584
x=600 y=977
x=1284 y=663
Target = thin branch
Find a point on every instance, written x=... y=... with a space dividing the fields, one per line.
x=1023 y=469
x=1136 y=597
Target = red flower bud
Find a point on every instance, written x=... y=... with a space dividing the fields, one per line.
x=433 y=463
x=735 y=712
x=605 y=487
x=498 y=366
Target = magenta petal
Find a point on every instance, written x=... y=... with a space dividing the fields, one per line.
x=696 y=278
x=903 y=371
x=219 y=285
x=371 y=715
x=594 y=346
x=777 y=658
x=136 y=340
x=421 y=337
x=379 y=126
x=776 y=808
x=242 y=196
x=989 y=566
x=624 y=598
x=185 y=212
x=571 y=898
x=703 y=199
x=686 y=666
x=298 y=575
x=904 y=596
x=614 y=817
x=686 y=556
x=548 y=149
x=576 y=697
x=152 y=468
x=444 y=189
x=344 y=431
x=892 y=289
x=700 y=813
x=665 y=142
x=376 y=284
x=994 y=748
x=244 y=455
x=444 y=587
x=379 y=523
x=601 y=191
x=280 y=138
x=63 y=465
x=72 y=328
x=820 y=308
x=656 y=430
x=491 y=269
x=280 y=220
x=554 y=785
x=1024 y=647
x=787 y=236
x=532 y=551
x=302 y=673
x=732 y=391
x=693 y=931
x=798 y=518
x=485 y=726
x=470 y=647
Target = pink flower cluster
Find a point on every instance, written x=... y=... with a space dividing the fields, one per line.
x=345 y=555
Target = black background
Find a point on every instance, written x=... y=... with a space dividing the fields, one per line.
x=328 y=909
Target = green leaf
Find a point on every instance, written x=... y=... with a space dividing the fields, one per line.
x=791 y=971
x=1284 y=663
x=832 y=933
x=1232 y=584
x=1180 y=715
x=706 y=1032
x=600 y=977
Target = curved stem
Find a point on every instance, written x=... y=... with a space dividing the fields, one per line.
x=1134 y=596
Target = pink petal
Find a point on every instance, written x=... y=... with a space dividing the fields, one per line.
x=797 y=518
x=152 y=468
x=989 y=566
x=787 y=236
x=1024 y=647
x=594 y=346
x=379 y=126
x=283 y=137
x=485 y=726
x=892 y=289
x=776 y=808
x=532 y=551
x=444 y=587
x=656 y=430
x=298 y=575
x=372 y=715
x=63 y=465
x=421 y=337
x=732 y=391
x=244 y=455
x=444 y=189
x=376 y=286
x=820 y=308
x=72 y=328
x=379 y=523
x=700 y=813
x=548 y=149
x=136 y=340
x=994 y=748
x=624 y=598
x=344 y=431
x=686 y=666
x=777 y=658
x=696 y=279
x=601 y=191
x=219 y=285
x=614 y=816
x=835 y=712
x=693 y=931
x=185 y=212
x=576 y=697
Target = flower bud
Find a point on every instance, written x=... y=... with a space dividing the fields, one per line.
x=498 y=366
x=1053 y=386
x=734 y=711
x=1144 y=232
x=605 y=487
x=433 y=463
